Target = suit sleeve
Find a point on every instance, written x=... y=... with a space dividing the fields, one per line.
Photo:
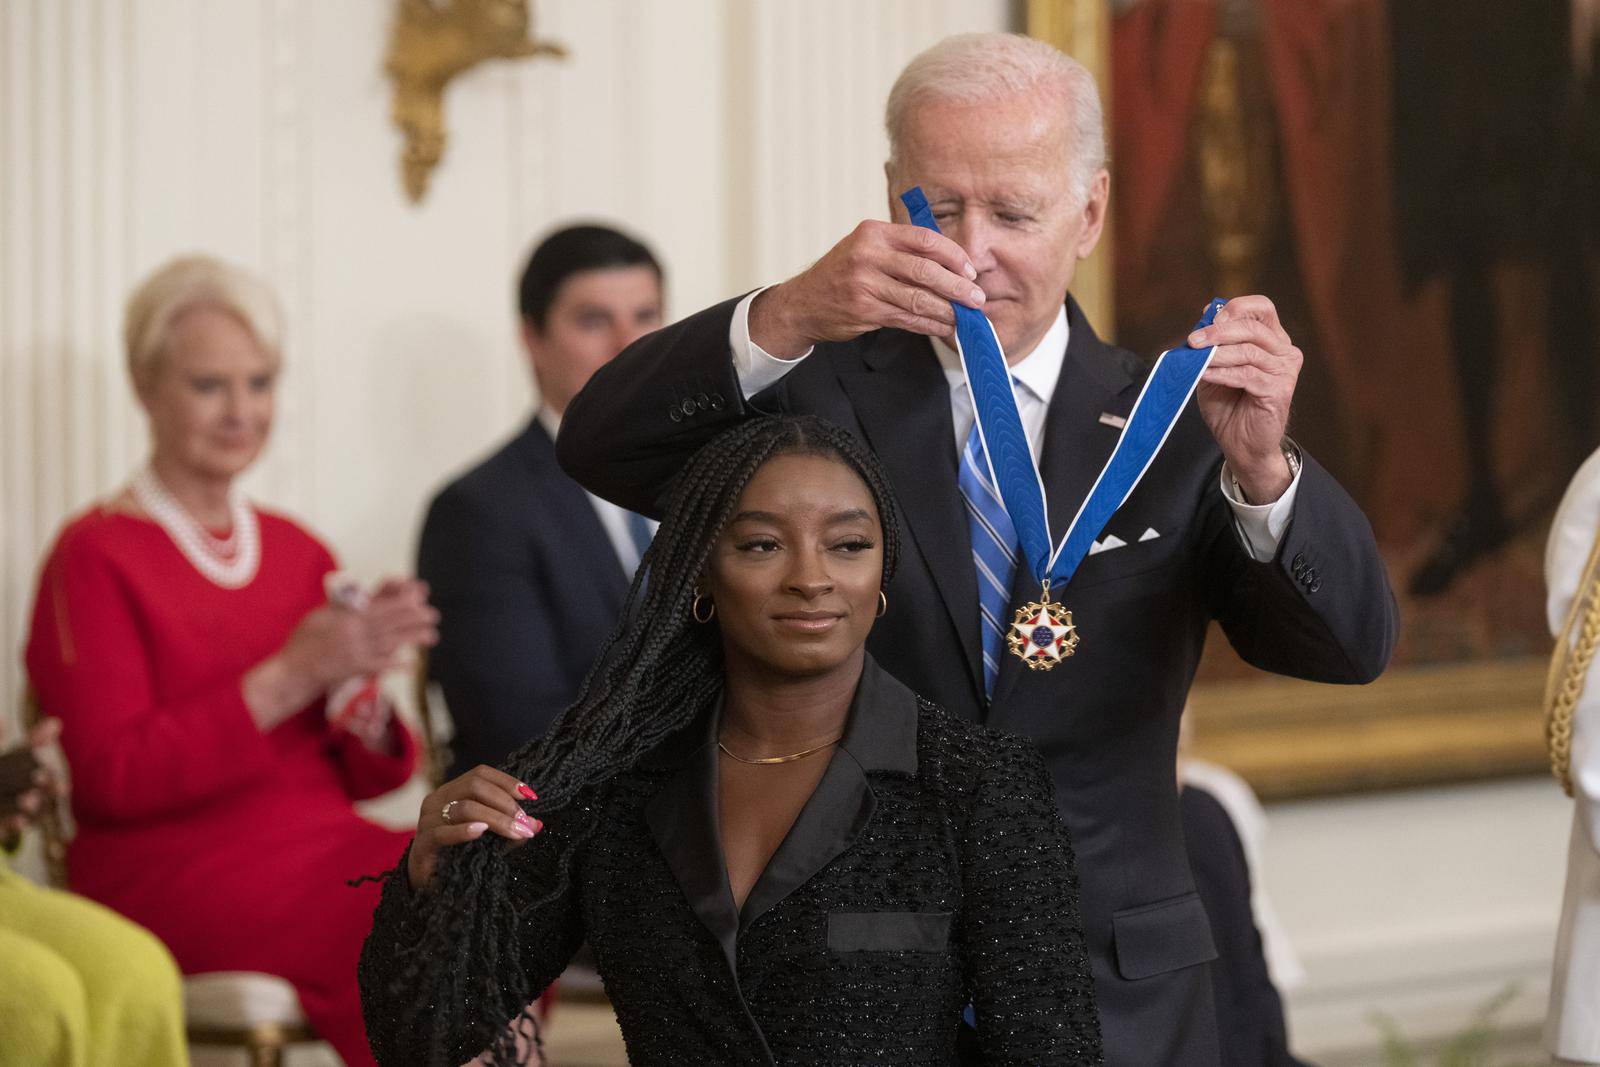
x=546 y=937
x=497 y=659
x=646 y=412
x=1028 y=963
x=1321 y=609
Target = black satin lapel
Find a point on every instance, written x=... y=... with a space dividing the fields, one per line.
x=683 y=820
x=829 y=824
x=902 y=400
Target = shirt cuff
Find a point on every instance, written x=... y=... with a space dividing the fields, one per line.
x=755 y=367
x=1260 y=526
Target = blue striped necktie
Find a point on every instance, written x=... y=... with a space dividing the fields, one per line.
x=994 y=553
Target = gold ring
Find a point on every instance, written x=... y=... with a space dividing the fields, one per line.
x=445 y=814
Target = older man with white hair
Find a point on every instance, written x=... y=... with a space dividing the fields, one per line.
x=1230 y=522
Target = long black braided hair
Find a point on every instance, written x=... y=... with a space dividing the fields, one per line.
x=657 y=671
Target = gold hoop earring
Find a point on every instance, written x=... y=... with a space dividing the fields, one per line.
x=694 y=608
x=883 y=603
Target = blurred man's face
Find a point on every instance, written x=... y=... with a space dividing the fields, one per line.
x=595 y=315
x=995 y=174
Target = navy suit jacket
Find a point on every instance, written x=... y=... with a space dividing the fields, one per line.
x=528 y=588
x=1106 y=720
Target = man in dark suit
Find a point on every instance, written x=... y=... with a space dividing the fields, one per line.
x=1231 y=522
x=1250 y=1019
x=527 y=570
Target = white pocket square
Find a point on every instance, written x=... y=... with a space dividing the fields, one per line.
x=1106 y=544
x=1148 y=535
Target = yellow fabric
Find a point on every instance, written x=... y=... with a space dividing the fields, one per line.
x=80 y=986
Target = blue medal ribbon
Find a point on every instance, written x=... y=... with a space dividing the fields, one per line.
x=1011 y=464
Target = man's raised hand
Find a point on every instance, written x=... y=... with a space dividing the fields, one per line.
x=881 y=274
x=1245 y=393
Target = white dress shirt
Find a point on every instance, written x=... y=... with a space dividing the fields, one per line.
x=1260 y=526
x=1572 y=1028
x=613 y=518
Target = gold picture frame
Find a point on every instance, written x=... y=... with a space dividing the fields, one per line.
x=1413 y=726
x=1288 y=738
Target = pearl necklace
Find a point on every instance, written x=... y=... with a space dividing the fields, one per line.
x=231 y=561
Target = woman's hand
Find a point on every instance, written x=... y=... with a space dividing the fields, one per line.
x=335 y=642
x=22 y=801
x=464 y=809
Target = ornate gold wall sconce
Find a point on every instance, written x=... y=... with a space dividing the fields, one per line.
x=432 y=41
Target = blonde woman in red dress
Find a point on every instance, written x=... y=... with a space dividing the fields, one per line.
x=184 y=638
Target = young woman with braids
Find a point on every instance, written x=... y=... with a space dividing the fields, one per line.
x=778 y=854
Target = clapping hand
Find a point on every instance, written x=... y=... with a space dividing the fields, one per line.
x=27 y=782
x=338 y=641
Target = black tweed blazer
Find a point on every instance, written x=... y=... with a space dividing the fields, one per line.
x=928 y=871
x=1107 y=719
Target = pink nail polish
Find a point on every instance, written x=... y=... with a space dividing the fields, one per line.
x=525 y=793
x=523 y=831
x=538 y=825
x=521 y=817
x=477 y=827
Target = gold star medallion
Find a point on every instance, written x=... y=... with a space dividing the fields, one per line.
x=1042 y=634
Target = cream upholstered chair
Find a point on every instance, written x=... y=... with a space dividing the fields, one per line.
x=258 y=1013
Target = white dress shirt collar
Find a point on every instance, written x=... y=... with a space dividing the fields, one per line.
x=612 y=517
x=550 y=419
x=1038 y=371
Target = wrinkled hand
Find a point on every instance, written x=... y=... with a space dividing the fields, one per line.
x=339 y=641
x=881 y=274
x=334 y=642
x=482 y=800
x=19 y=810
x=1246 y=392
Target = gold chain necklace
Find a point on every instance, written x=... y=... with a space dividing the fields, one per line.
x=771 y=760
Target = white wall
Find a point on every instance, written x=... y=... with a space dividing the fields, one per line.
x=1420 y=903
x=741 y=137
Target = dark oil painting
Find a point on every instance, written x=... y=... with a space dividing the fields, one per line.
x=1416 y=184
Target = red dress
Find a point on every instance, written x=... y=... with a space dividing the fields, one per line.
x=232 y=845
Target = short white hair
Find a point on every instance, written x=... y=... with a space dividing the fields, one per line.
x=189 y=282
x=974 y=67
